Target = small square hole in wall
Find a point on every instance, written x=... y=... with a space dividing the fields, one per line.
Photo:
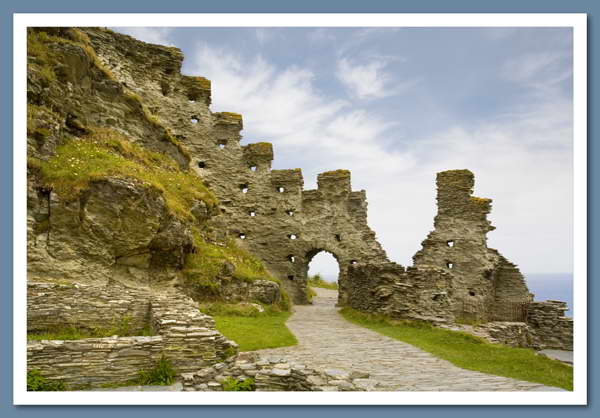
x=242 y=236
x=252 y=213
x=291 y=258
x=194 y=119
x=353 y=262
x=450 y=243
x=290 y=277
x=338 y=237
x=201 y=164
x=222 y=145
x=471 y=293
x=450 y=265
x=292 y=236
x=280 y=189
x=244 y=188
x=289 y=212
x=253 y=168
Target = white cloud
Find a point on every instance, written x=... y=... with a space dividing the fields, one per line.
x=366 y=81
x=148 y=34
x=522 y=160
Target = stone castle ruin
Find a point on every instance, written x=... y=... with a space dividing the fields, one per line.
x=455 y=276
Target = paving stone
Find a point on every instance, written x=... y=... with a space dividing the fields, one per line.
x=326 y=341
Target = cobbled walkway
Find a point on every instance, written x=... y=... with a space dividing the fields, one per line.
x=328 y=341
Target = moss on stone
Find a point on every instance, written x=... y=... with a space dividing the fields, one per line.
x=231 y=115
x=202 y=82
x=262 y=148
x=37 y=46
x=480 y=201
x=106 y=153
x=342 y=173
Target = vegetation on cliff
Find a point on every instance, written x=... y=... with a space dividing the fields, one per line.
x=107 y=153
x=212 y=262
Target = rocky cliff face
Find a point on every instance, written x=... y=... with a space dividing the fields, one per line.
x=111 y=195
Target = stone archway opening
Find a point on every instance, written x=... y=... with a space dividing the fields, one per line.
x=323 y=265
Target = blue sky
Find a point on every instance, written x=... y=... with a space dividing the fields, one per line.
x=397 y=105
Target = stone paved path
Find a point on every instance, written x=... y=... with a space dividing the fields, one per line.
x=328 y=341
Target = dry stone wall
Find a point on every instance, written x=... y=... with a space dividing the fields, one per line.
x=55 y=305
x=92 y=362
x=549 y=326
x=185 y=336
x=274 y=373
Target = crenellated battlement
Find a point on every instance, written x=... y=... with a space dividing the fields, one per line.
x=332 y=183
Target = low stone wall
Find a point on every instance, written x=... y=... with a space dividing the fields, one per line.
x=94 y=361
x=263 y=291
x=186 y=336
x=275 y=374
x=189 y=336
x=549 y=327
x=51 y=305
x=513 y=334
x=412 y=293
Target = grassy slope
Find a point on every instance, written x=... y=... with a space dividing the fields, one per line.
x=469 y=352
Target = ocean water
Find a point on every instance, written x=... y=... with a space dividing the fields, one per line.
x=554 y=286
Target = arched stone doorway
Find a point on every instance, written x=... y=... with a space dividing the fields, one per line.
x=324 y=264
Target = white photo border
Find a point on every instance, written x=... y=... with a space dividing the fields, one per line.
x=577 y=21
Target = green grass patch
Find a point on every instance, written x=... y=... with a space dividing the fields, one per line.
x=317 y=281
x=162 y=374
x=470 y=352
x=106 y=153
x=257 y=332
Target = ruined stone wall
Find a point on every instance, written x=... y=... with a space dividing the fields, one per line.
x=411 y=293
x=485 y=283
x=185 y=336
x=94 y=361
x=549 y=326
x=51 y=305
x=266 y=210
x=274 y=373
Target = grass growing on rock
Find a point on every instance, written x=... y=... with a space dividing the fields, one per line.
x=212 y=262
x=470 y=352
x=121 y=327
x=106 y=153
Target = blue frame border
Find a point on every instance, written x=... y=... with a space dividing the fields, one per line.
x=8 y=7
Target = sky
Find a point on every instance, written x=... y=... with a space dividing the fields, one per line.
x=397 y=105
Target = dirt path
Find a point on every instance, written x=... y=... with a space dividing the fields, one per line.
x=328 y=341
